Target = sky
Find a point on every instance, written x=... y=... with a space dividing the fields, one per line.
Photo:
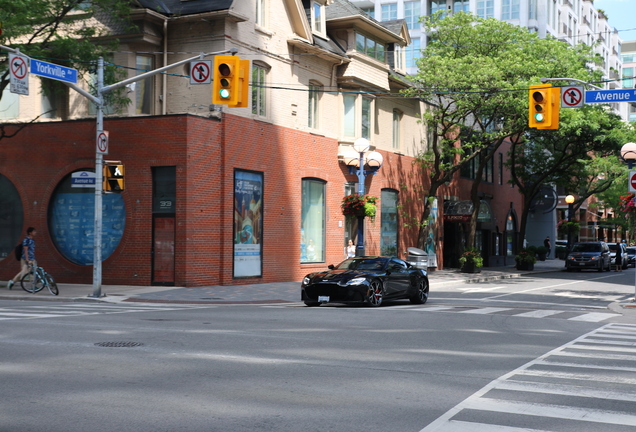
x=621 y=15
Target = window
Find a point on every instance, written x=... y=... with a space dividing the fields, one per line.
x=532 y=9
x=366 y=118
x=258 y=90
x=628 y=77
x=436 y=6
x=260 y=12
x=397 y=115
x=349 y=115
x=312 y=229
x=370 y=47
x=389 y=12
x=500 y=168
x=389 y=222
x=461 y=6
x=486 y=8
x=318 y=17
x=510 y=9
x=412 y=14
x=413 y=53
x=397 y=57
x=143 y=93
x=358 y=107
x=369 y=11
x=12 y=219
x=9 y=105
x=314 y=97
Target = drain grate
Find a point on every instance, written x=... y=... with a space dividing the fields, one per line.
x=119 y=344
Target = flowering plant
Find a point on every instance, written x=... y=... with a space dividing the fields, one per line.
x=359 y=205
x=627 y=204
x=471 y=255
x=525 y=256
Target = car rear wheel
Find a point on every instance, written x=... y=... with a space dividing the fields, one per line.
x=375 y=293
x=421 y=295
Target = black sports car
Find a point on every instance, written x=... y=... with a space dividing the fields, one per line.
x=369 y=279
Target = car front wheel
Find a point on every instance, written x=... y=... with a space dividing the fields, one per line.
x=375 y=293
x=421 y=296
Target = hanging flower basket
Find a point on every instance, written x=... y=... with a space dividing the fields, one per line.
x=564 y=226
x=356 y=205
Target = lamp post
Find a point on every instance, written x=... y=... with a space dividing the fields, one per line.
x=628 y=155
x=356 y=159
x=570 y=201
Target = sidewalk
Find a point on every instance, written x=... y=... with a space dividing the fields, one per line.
x=266 y=293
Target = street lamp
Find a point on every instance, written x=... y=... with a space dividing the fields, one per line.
x=356 y=159
x=570 y=201
x=628 y=155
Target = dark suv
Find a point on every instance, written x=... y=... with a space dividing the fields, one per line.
x=591 y=255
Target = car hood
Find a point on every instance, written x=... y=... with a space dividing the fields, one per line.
x=338 y=276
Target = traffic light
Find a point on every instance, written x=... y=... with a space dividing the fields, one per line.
x=544 y=103
x=243 y=84
x=225 y=87
x=113 y=178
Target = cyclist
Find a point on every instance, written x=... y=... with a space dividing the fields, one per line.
x=28 y=256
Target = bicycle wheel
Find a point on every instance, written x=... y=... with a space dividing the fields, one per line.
x=52 y=286
x=30 y=285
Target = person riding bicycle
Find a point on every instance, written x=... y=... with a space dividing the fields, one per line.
x=27 y=261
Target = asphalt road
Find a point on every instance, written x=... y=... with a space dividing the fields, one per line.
x=469 y=360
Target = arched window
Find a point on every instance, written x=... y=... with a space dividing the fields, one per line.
x=511 y=231
x=312 y=228
x=389 y=222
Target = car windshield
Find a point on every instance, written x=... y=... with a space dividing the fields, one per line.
x=586 y=247
x=362 y=264
x=613 y=247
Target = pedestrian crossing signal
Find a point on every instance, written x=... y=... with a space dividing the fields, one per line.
x=113 y=178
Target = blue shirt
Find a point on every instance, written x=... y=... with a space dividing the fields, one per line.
x=30 y=244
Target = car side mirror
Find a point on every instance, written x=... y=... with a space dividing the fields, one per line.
x=331 y=267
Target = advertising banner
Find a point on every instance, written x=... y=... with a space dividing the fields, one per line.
x=248 y=223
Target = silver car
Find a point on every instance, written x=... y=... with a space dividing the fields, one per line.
x=619 y=248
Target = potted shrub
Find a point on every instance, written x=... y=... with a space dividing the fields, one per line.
x=542 y=251
x=471 y=261
x=525 y=260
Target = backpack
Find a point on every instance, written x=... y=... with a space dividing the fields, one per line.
x=18 y=252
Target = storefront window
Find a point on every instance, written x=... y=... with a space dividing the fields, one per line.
x=72 y=219
x=389 y=223
x=312 y=229
x=11 y=217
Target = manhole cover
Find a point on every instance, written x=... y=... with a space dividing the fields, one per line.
x=119 y=344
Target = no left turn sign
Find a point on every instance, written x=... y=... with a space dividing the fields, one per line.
x=632 y=181
x=19 y=74
x=200 y=72
x=572 y=97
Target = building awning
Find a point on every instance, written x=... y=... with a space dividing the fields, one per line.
x=461 y=211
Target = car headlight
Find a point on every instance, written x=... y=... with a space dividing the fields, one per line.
x=357 y=281
x=306 y=280
x=570 y=258
x=594 y=258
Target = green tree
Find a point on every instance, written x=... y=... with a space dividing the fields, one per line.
x=475 y=73
x=581 y=156
x=71 y=33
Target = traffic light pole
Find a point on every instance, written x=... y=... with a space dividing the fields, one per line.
x=99 y=159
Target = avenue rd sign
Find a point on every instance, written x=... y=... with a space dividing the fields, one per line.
x=609 y=96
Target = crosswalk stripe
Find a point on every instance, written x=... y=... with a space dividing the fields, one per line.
x=564 y=390
x=461 y=426
x=593 y=317
x=539 y=313
x=485 y=311
x=552 y=411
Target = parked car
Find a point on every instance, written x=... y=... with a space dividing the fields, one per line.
x=369 y=279
x=631 y=253
x=589 y=255
x=616 y=248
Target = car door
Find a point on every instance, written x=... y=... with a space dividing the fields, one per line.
x=398 y=278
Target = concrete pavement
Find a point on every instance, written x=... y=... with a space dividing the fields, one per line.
x=266 y=293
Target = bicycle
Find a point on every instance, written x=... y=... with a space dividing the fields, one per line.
x=37 y=279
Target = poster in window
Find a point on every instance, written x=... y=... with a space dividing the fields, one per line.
x=248 y=223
